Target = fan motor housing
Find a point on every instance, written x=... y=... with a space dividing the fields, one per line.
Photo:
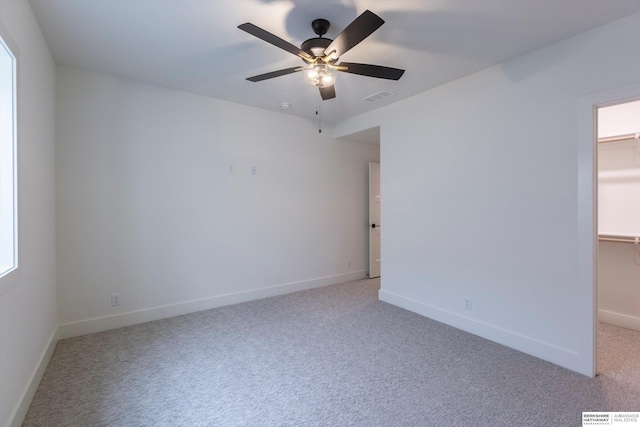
x=316 y=46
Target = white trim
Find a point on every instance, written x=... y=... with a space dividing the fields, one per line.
x=20 y=411
x=98 y=324
x=540 y=349
x=619 y=319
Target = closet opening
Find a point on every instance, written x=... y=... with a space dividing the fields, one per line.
x=618 y=245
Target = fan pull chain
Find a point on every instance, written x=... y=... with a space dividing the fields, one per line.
x=318 y=111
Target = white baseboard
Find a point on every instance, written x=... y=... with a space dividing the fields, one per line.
x=99 y=324
x=617 y=319
x=542 y=350
x=20 y=411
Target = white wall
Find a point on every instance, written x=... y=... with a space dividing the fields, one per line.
x=28 y=304
x=619 y=200
x=619 y=119
x=147 y=208
x=482 y=197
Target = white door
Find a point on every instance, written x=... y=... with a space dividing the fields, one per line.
x=374 y=220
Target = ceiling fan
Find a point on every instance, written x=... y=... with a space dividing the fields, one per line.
x=321 y=54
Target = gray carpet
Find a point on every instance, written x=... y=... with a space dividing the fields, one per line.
x=332 y=356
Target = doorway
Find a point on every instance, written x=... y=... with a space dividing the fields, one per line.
x=371 y=170
x=618 y=230
x=374 y=220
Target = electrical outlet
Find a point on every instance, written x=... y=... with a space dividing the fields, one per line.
x=348 y=265
x=467 y=304
x=254 y=170
x=115 y=300
x=232 y=168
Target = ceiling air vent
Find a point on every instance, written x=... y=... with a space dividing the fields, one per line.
x=378 y=96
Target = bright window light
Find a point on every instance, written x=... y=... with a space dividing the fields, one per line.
x=8 y=163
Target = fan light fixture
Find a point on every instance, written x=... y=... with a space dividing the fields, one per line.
x=320 y=75
x=321 y=55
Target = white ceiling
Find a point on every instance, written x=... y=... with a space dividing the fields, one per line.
x=195 y=45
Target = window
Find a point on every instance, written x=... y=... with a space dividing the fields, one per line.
x=8 y=162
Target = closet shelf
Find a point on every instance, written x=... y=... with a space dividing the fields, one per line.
x=617 y=238
x=624 y=137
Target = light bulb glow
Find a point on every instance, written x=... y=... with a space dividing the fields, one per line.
x=320 y=75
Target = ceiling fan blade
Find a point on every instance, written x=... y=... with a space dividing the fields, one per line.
x=369 y=70
x=274 y=40
x=273 y=74
x=358 y=30
x=328 y=92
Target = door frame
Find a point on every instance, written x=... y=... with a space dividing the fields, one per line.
x=587 y=204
